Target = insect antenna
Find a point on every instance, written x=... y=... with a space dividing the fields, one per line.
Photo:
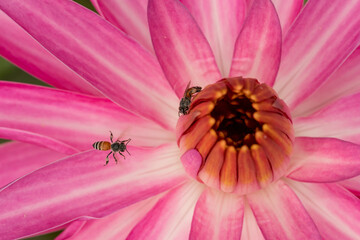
x=127 y=144
x=128 y=152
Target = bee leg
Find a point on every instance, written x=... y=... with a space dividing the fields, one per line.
x=107 y=159
x=116 y=160
x=111 y=137
x=122 y=154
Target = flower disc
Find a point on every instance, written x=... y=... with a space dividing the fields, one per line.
x=243 y=133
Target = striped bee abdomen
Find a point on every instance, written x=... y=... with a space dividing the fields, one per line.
x=102 y=145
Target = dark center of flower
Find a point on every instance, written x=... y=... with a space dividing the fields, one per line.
x=243 y=132
x=234 y=121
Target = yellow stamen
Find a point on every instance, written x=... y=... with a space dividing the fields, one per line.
x=206 y=143
x=210 y=172
x=229 y=171
x=262 y=165
x=280 y=138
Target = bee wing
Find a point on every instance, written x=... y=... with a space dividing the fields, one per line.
x=123 y=133
x=187 y=87
x=187 y=92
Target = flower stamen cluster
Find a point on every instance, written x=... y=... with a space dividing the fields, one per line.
x=243 y=132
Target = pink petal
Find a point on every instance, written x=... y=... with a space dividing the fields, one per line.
x=335 y=211
x=352 y=184
x=191 y=161
x=287 y=11
x=281 y=215
x=18 y=159
x=81 y=186
x=220 y=21
x=37 y=139
x=129 y=16
x=340 y=119
x=324 y=160
x=344 y=82
x=74 y=119
x=113 y=63
x=258 y=47
x=71 y=230
x=182 y=50
x=217 y=216
x=29 y=55
x=171 y=216
x=250 y=230
x=117 y=225
x=320 y=39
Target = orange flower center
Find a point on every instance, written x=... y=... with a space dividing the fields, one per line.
x=243 y=133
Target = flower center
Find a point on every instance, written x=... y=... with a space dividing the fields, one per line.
x=241 y=133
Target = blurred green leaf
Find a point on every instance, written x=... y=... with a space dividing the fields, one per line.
x=10 y=72
x=86 y=3
x=48 y=236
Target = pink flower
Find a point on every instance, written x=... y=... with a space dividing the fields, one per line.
x=130 y=81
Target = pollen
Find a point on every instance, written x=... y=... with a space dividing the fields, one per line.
x=243 y=132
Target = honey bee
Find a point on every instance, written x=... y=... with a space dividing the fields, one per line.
x=186 y=100
x=115 y=147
